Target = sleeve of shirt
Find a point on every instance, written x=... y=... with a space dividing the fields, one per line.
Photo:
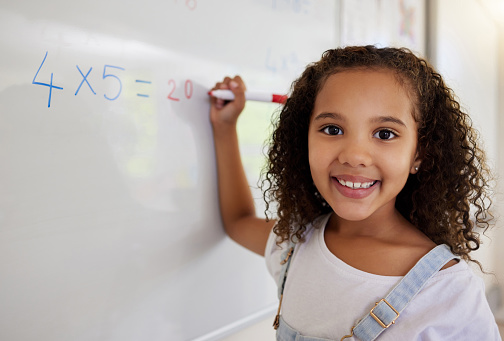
x=478 y=321
x=273 y=255
x=461 y=312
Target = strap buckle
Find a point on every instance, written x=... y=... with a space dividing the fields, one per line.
x=289 y=254
x=380 y=322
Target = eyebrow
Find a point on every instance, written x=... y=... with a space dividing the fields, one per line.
x=379 y=119
x=388 y=119
x=334 y=116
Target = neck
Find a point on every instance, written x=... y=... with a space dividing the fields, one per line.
x=378 y=225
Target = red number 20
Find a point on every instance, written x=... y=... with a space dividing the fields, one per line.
x=188 y=89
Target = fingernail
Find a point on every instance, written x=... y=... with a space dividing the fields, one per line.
x=233 y=84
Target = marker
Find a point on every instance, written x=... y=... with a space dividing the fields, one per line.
x=250 y=96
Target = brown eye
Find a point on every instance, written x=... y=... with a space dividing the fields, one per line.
x=332 y=130
x=385 y=134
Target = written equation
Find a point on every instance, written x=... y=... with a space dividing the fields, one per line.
x=296 y=6
x=113 y=74
x=191 y=4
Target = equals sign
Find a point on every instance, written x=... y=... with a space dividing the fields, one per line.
x=143 y=82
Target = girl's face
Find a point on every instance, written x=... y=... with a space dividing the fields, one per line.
x=362 y=143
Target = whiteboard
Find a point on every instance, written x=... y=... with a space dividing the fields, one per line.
x=398 y=23
x=109 y=221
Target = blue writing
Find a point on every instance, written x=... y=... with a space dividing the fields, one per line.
x=281 y=63
x=296 y=6
x=269 y=65
x=50 y=85
x=84 y=79
x=105 y=75
x=144 y=82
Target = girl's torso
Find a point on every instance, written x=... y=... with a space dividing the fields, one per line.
x=324 y=297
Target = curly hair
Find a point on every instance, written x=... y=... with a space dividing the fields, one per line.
x=451 y=186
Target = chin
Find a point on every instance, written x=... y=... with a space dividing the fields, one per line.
x=351 y=214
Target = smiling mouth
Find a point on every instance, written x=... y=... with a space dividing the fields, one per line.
x=357 y=185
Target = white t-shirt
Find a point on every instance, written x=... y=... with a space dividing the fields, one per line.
x=324 y=297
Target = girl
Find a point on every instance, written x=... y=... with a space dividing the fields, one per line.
x=372 y=166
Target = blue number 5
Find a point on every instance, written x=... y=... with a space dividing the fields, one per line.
x=105 y=75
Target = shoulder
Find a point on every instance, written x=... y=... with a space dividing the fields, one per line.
x=457 y=281
x=453 y=306
x=274 y=252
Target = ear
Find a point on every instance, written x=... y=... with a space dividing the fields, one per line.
x=416 y=164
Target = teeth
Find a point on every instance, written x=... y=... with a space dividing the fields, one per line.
x=356 y=185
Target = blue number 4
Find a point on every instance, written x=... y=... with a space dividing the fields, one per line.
x=50 y=85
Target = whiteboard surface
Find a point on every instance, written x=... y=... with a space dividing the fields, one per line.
x=396 y=23
x=109 y=221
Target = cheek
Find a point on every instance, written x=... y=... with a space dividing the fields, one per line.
x=318 y=165
x=318 y=156
x=398 y=164
x=313 y=154
x=314 y=165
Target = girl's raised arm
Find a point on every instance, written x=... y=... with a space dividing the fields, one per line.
x=235 y=199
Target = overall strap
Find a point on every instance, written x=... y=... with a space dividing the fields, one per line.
x=387 y=310
x=286 y=258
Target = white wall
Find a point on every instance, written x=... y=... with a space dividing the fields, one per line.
x=466 y=54
x=499 y=233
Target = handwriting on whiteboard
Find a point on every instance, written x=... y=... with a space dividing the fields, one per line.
x=112 y=74
x=296 y=6
x=281 y=61
x=191 y=4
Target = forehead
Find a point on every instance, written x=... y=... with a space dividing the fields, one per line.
x=364 y=91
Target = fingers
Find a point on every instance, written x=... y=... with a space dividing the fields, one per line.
x=238 y=82
x=224 y=85
x=229 y=83
x=218 y=102
x=237 y=86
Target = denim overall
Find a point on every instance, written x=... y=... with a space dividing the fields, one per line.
x=386 y=311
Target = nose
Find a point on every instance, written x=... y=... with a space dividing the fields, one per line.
x=355 y=153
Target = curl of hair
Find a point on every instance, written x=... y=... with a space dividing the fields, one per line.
x=451 y=186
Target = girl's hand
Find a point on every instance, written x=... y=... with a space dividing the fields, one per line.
x=227 y=112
